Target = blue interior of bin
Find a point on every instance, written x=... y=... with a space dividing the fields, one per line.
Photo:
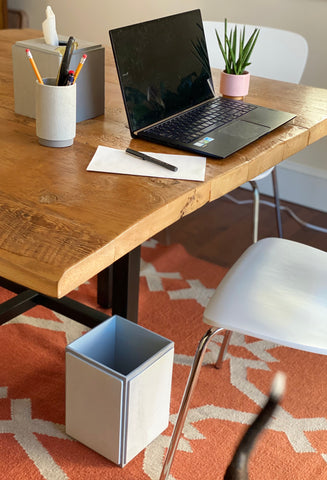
x=119 y=344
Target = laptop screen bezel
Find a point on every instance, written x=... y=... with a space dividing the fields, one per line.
x=200 y=59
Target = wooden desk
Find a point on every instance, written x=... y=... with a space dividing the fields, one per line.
x=60 y=225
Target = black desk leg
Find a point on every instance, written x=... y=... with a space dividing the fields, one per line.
x=118 y=286
x=125 y=287
x=104 y=287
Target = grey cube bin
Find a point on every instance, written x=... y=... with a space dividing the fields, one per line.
x=90 y=91
x=118 y=385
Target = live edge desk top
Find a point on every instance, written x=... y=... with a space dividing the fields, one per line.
x=60 y=225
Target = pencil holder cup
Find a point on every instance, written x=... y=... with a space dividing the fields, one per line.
x=55 y=113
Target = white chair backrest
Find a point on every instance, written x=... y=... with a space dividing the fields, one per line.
x=278 y=54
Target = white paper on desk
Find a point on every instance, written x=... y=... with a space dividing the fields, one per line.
x=111 y=160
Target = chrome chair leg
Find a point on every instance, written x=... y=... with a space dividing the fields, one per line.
x=277 y=204
x=183 y=409
x=256 y=204
x=223 y=348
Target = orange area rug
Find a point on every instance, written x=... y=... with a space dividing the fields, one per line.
x=174 y=289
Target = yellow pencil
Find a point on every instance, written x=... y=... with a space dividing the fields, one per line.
x=31 y=59
x=79 y=66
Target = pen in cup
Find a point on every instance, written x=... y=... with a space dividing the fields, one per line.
x=79 y=66
x=70 y=79
x=156 y=161
x=65 y=62
x=31 y=59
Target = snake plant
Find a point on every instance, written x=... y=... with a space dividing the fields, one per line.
x=235 y=51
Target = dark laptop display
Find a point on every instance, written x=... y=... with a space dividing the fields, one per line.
x=165 y=78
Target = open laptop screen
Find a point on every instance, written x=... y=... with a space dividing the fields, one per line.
x=163 y=67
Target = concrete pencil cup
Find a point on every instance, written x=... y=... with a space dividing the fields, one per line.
x=55 y=113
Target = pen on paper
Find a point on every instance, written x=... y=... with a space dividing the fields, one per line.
x=79 y=66
x=31 y=59
x=147 y=158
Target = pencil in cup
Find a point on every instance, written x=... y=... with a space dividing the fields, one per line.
x=36 y=71
x=80 y=66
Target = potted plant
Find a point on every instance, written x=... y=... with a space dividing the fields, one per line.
x=235 y=80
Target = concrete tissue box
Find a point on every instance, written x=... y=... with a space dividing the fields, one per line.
x=118 y=384
x=90 y=83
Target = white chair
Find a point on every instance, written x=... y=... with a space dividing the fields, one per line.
x=279 y=55
x=276 y=291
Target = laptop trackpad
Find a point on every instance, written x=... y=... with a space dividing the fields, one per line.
x=245 y=130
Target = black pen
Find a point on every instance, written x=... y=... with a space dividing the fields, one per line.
x=143 y=156
x=64 y=66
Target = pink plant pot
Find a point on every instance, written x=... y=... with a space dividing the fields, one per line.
x=234 y=86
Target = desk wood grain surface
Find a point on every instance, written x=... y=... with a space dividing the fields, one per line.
x=60 y=225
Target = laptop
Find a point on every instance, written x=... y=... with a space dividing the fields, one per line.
x=166 y=83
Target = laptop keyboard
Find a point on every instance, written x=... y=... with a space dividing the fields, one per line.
x=200 y=121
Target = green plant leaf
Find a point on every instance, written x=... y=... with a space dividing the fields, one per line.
x=241 y=48
x=250 y=46
x=225 y=33
x=224 y=54
x=232 y=53
x=235 y=51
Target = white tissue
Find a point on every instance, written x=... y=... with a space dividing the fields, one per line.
x=49 y=28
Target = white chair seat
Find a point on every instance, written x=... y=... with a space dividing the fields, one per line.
x=276 y=291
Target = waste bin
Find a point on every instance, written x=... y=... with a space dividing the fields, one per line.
x=118 y=384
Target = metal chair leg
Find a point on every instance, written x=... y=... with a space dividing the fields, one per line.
x=277 y=204
x=223 y=348
x=183 y=409
x=256 y=204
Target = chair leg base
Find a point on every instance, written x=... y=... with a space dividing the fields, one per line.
x=191 y=382
x=223 y=349
x=256 y=204
x=277 y=204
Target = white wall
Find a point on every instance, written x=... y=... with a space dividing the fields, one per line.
x=91 y=20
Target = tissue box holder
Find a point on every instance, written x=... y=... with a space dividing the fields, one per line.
x=118 y=384
x=90 y=83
